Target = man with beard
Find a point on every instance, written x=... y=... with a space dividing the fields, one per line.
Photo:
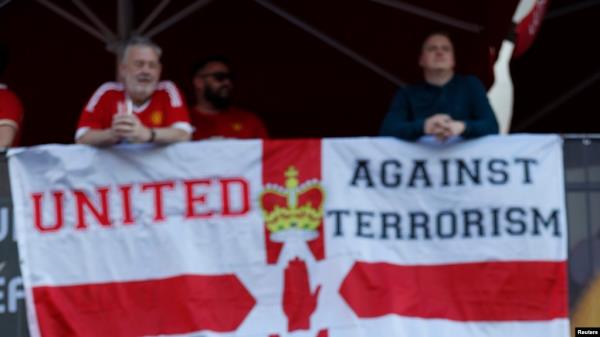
x=446 y=106
x=139 y=109
x=213 y=116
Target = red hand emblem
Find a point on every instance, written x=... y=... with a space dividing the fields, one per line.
x=298 y=302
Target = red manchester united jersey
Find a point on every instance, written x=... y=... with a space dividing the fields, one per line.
x=11 y=111
x=165 y=108
x=232 y=123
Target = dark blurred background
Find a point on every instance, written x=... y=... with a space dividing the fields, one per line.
x=299 y=85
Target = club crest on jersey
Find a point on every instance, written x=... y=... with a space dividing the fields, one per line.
x=156 y=118
x=237 y=127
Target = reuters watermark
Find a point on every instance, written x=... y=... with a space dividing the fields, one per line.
x=587 y=331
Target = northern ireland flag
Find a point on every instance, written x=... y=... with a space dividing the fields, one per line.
x=332 y=237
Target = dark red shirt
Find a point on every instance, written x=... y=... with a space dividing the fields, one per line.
x=11 y=111
x=231 y=123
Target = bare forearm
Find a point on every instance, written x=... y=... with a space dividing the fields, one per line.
x=109 y=137
x=98 y=138
x=170 y=135
x=7 y=135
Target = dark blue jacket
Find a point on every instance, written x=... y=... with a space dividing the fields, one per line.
x=462 y=98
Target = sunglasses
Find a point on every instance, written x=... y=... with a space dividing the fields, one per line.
x=220 y=76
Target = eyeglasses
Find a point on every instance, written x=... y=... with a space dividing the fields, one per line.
x=220 y=76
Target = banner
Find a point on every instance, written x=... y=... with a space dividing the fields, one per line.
x=332 y=237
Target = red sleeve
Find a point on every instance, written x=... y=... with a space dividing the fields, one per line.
x=177 y=111
x=11 y=108
x=89 y=119
x=97 y=112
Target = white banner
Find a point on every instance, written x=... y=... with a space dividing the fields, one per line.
x=339 y=237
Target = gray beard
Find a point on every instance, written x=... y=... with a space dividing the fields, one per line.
x=140 y=92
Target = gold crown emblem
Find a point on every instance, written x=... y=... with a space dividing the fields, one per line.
x=293 y=207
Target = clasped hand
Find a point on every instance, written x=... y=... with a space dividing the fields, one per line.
x=128 y=127
x=443 y=126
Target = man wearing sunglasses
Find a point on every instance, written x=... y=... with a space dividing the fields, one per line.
x=213 y=115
